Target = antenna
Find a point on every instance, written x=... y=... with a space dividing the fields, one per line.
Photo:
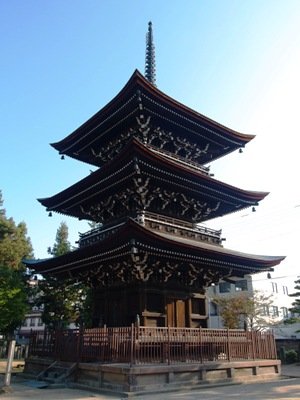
x=150 y=74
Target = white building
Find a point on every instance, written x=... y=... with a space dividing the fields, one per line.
x=32 y=321
x=276 y=311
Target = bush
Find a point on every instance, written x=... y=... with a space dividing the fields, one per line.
x=291 y=356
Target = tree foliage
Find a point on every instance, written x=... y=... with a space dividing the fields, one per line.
x=244 y=310
x=14 y=246
x=14 y=242
x=62 y=244
x=295 y=309
x=64 y=300
x=13 y=299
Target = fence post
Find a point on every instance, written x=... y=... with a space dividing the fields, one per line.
x=274 y=347
x=169 y=350
x=228 y=345
x=131 y=345
x=253 y=345
x=44 y=340
x=26 y=352
x=30 y=344
x=200 y=344
x=79 y=342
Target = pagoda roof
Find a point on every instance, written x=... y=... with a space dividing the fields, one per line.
x=137 y=159
x=132 y=238
x=125 y=106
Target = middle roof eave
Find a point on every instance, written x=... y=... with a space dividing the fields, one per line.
x=124 y=162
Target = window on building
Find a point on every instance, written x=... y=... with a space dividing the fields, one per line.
x=274 y=287
x=241 y=286
x=40 y=322
x=285 y=312
x=224 y=287
x=155 y=302
x=32 y=321
x=275 y=312
x=265 y=310
x=214 y=289
x=285 y=290
x=213 y=309
x=198 y=306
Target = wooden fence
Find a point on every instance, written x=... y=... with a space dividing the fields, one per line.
x=144 y=345
x=21 y=352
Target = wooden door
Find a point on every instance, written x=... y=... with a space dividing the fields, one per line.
x=180 y=313
x=171 y=313
x=176 y=313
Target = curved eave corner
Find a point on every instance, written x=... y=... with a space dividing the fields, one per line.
x=33 y=263
x=265 y=261
x=61 y=144
x=245 y=138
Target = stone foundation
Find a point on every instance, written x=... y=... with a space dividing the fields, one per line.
x=137 y=379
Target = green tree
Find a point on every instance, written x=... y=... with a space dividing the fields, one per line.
x=231 y=309
x=14 y=246
x=245 y=310
x=257 y=316
x=14 y=242
x=64 y=300
x=295 y=309
x=62 y=244
x=13 y=300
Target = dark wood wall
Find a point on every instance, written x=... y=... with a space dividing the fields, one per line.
x=153 y=306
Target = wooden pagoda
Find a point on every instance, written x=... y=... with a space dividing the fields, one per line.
x=151 y=257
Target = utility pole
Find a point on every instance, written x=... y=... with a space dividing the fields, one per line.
x=11 y=351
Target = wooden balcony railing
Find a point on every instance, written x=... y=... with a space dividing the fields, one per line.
x=160 y=223
x=146 y=345
x=180 y=228
x=97 y=234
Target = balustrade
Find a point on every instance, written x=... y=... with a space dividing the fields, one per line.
x=160 y=223
x=142 y=345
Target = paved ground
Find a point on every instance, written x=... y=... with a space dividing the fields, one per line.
x=288 y=388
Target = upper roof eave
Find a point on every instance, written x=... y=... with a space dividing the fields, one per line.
x=138 y=80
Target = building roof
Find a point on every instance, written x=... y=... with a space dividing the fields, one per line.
x=157 y=182
x=120 y=258
x=121 y=112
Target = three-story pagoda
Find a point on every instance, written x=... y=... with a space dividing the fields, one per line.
x=152 y=190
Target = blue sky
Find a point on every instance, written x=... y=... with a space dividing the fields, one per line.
x=237 y=62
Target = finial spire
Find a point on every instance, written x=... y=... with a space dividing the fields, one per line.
x=150 y=56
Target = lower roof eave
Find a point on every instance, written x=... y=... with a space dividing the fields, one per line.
x=165 y=246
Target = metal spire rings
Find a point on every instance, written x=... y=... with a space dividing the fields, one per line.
x=150 y=72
